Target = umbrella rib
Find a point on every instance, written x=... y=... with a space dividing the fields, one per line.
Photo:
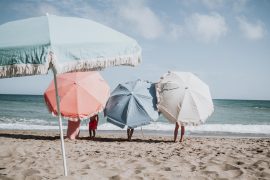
x=116 y=121
x=90 y=94
x=141 y=107
x=201 y=95
x=59 y=87
x=143 y=96
x=65 y=95
x=121 y=85
x=120 y=94
x=170 y=82
x=194 y=103
x=129 y=101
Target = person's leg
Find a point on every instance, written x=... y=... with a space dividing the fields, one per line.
x=94 y=133
x=182 y=133
x=90 y=133
x=128 y=134
x=78 y=135
x=131 y=133
x=176 y=131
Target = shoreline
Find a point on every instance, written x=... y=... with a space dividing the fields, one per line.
x=154 y=133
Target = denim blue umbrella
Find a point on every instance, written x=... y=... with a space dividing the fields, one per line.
x=132 y=104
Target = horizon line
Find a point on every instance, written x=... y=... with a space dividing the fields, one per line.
x=212 y=98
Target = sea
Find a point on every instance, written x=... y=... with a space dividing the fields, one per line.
x=231 y=117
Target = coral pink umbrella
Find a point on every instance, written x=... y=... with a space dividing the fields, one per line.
x=81 y=94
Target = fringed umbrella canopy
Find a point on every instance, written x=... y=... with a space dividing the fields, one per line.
x=183 y=97
x=31 y=46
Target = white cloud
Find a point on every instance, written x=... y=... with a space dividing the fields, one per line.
x=207 y=28
x=141 y=18
x=252 y=31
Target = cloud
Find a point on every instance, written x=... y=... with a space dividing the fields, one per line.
x=252 y=31
x=141 y=18
x=207 y=28
x=213 y=4
x=128 y=16
x=33 y=8
x=235 y=6
x=175 y=31
x=239 y=5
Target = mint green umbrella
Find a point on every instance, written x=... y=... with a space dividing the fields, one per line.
x=64 y=44
x=31 y=46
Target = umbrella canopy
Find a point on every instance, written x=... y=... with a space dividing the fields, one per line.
x=31 y=46
x=132 y=104
x=183 y=97
x=82 y=94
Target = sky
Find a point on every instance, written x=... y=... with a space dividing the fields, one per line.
x=226 y=43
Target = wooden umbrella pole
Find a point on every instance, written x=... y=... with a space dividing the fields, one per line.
x=60 y=123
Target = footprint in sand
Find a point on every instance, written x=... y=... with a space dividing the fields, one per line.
x=261 y=165
x=210 y=174
x=30 y=172
x=240 y=163
x=224 y=170
x=86 y=166
x=137 y=171
x=116 y=177
x=166 y=168
x=233 y=171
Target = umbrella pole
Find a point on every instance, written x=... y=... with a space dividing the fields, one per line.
x=142 y=132
x=60 y=123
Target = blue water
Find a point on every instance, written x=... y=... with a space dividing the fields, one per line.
x=30 y=112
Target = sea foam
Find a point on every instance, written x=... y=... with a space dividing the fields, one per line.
x=159 y=126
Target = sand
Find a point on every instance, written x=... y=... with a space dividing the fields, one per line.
x=37 y=155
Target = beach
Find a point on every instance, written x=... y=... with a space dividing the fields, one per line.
x=27 y=154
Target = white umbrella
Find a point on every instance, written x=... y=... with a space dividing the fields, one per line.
x=183 y=97
x=64 y=44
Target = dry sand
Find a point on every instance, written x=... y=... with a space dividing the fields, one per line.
x=37 y=155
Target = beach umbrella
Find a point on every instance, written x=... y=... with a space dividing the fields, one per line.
x=64 y=44
x=81 y=94
x=132 y=104
x=183 y=97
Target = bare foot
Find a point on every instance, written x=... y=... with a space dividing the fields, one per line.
x=181 y=140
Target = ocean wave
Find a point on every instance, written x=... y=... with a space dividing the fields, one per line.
x=158 y=126
x=261 y=107
x=28 y=121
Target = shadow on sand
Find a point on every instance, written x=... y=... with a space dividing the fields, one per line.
x=97 y=139
x=28 y=136
x=104 y=139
